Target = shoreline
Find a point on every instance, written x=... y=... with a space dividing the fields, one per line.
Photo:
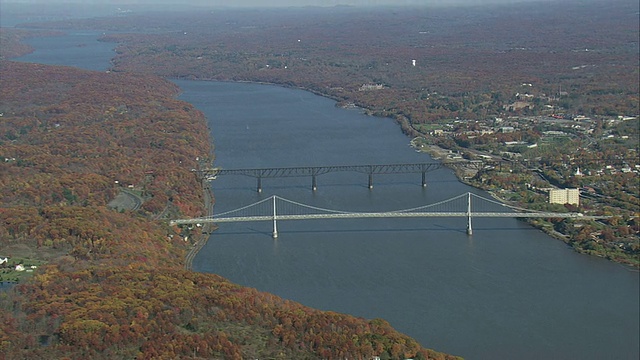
x=207 y=228
x=435 y=152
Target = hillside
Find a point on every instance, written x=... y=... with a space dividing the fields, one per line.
x=114 y=285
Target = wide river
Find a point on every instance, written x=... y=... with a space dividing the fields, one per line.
x=506 y=292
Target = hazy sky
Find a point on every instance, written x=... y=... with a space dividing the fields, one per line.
x=348 y=2
x=280 y=2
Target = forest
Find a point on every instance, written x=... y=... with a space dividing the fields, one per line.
x=432 y=62
x=114 y=283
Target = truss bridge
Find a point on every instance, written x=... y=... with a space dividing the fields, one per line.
x=315 y=171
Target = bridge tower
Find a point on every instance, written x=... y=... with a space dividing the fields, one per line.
x=469 y=229
x=275 y=225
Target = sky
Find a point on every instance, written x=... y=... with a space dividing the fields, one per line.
x=349 y=2
x=275 y=3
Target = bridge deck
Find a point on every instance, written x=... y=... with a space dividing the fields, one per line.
x=319 y=170
x=380 y=215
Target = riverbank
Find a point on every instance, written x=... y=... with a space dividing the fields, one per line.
x=207 y=228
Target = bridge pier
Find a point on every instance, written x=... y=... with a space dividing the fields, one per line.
x=314 y=183
x=424 y=179
x=259 y=189
x=370 y=181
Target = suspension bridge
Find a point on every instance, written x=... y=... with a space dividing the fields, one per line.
x=275 y=208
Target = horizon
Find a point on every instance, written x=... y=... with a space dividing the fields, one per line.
x=280 y=3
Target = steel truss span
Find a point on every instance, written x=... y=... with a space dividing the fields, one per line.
x=315 y=171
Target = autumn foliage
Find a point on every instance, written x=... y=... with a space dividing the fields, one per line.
x=470 y=62
x=115 y=285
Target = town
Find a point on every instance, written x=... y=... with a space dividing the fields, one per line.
x=529 y=160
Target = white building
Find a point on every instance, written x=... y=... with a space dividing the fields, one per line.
x=565 y=196
x=369 y=87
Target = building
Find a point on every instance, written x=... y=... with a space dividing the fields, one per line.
x=564 y=196
x=369 y=87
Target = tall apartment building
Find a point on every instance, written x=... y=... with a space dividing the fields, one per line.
x=565 y=196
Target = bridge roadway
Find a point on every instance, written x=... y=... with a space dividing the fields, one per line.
x=365 y=215
x=315 y=171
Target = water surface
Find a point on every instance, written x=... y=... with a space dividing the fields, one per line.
x=508 y=291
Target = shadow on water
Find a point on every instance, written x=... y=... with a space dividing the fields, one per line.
x=362 y=185
x=437 y=228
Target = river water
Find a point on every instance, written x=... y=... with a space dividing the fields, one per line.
x=508 y=291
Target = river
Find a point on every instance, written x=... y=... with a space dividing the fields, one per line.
x=507 y=291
